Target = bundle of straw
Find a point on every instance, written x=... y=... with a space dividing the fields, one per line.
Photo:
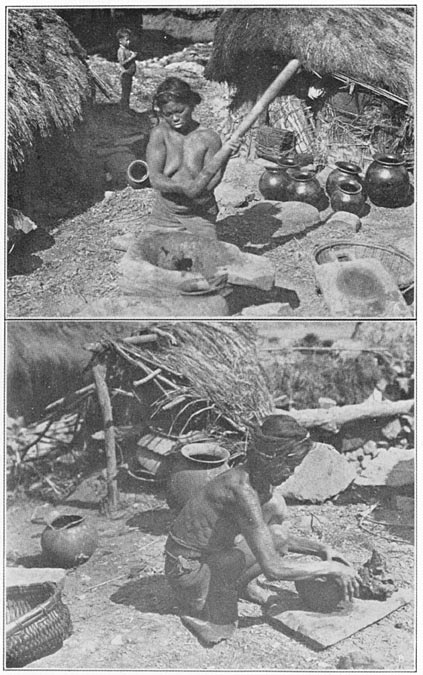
x=208 y=366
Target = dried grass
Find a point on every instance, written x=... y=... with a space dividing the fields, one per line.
x=48 y=79
x=206 y=366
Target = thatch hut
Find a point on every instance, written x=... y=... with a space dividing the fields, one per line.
x=48 y=79
x=357 y=48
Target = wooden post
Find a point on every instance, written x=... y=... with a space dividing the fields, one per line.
x=99 y=373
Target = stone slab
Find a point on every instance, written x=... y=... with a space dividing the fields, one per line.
x=24 y=576
x=324 y=630
x=268 y=309
x=393 y=467
x=360 y=288
x=154 y=306
x=322 y=474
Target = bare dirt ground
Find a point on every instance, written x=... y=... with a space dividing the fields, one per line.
x=74 y=265
x=124 y=616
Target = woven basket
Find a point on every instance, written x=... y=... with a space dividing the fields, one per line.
x=37 y=622
x=399 y=264
x=273 y=144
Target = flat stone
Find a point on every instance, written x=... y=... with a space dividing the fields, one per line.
x=248 y=269
x=268 y=309
x=393 y=467
x=324 y=630
x=296 y=217
x=360 y=288
x=122 y=241
x=322 y=474
x=24 y=576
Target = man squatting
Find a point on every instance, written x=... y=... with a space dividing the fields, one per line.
x=235 y=528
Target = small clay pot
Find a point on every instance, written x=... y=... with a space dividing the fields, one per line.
x=344 y=171
x=304 y=187
x=69 y=541
x=348 y=196
x=387 y=181
x=323 y=594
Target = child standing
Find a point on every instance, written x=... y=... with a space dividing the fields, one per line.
x=126 y=59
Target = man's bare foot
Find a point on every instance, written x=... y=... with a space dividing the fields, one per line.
x=207 y=632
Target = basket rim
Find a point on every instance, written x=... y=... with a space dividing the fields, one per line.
x=37 y=612
x=348 y=242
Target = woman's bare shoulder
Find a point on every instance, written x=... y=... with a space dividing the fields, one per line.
x=208 y=136
x=157 y=133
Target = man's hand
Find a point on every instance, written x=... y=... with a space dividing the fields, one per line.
x=348 y=579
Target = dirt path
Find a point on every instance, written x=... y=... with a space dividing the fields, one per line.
x=124 y=617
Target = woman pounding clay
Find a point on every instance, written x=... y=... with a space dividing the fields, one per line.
x=179 y=155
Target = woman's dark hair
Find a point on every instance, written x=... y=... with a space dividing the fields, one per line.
x=177 y=90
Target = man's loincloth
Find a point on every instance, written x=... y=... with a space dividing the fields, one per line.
x=181 y=217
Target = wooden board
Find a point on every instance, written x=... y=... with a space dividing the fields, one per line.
x=360 y=288
x=324 y=630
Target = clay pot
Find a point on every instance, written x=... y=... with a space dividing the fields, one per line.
x=387 y=181
x=192 y=469
x=274 y=179
x=348 y=196
x=137 y=174
x=304 y=187
x=321 y=595
x=69 y=541
x=344 y=171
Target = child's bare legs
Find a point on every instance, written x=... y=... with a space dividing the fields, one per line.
x=126 y=83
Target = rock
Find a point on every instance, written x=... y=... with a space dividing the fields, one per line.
x=358 y=661
x=326 y=402
x=366 y=461
x=322 y=474
x=393 y=467
x=150 y=307
x=268 y=309
x=228 y=195
x=370 y=448
x=190 y=66
x=295 y=217
x=346 y=219
x=392 y=429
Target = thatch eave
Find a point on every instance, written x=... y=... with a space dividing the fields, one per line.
x=368 y=44
x=48 y=79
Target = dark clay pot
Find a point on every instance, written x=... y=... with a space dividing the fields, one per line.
x=348 y=196
x=274 y=179
x=69 y=541
x=304 y=187
x=387 y=181
x=344 y=171
x=192 y=469
x=321 y=595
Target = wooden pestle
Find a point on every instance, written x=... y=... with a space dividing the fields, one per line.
x=219 y=159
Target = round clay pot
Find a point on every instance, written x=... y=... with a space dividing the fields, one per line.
x=344 y=171
x=69 y=541
x=321 y=595
x=192 y=469
x=274 y=179
x=137 y=174
x=303 y=186
x=387 y=181
x=348 y=196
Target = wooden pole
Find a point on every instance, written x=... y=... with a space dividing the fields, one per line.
x=99 y=373
x=222 y=155
x=316 y=417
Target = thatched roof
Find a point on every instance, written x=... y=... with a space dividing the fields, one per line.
x=373 y=45
x=48 y=79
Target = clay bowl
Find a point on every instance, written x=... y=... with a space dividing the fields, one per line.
x=321 y=595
